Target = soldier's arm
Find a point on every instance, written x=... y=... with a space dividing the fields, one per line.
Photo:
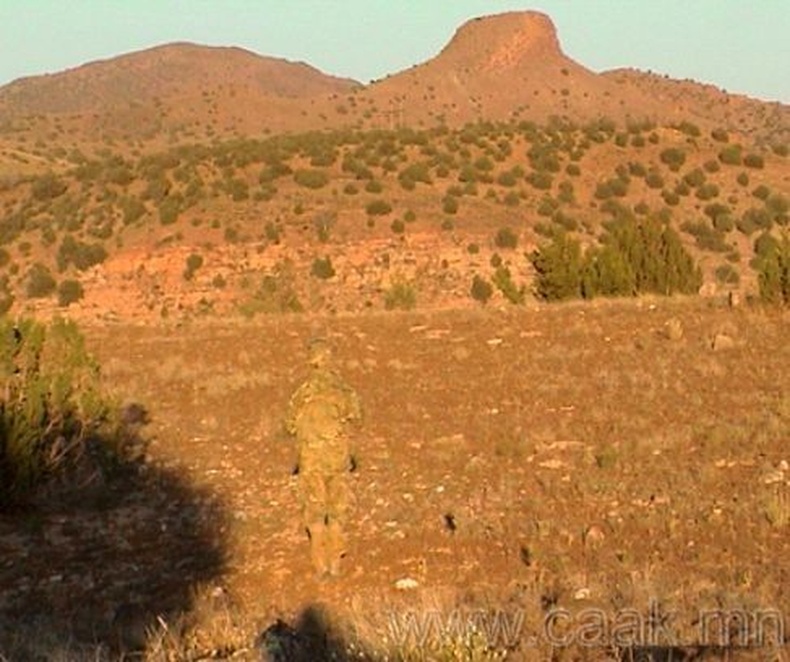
x=294 y=405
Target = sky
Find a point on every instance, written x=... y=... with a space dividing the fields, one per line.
x=742 y=46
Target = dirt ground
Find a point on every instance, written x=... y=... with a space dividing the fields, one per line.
x=609 y=458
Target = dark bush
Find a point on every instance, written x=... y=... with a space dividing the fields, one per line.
x=506 y=238
x=322 y=268
x=378 y=208
x=40 y=282
x=69 y=291
x=481 y=289
x=311 y=178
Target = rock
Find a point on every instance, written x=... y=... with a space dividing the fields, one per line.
x=674 y=329
x=582 y=594
x=721 y=341
x=406 y=584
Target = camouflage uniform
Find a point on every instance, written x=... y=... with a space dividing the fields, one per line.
x=318 y=414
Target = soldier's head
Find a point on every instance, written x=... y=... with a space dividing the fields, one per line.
x=320 y=353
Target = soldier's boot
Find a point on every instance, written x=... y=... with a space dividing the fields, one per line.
x=318 y=548
x=336 y=547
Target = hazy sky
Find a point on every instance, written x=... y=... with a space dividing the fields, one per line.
x=740 y=45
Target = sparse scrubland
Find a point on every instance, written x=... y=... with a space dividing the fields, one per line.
x=567 y=320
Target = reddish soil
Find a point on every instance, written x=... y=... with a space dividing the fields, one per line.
x=569 y=456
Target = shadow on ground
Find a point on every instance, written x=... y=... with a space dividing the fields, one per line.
x=94 y=564
x=312 y=637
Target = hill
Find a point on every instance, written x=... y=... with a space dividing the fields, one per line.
x=189 y=180
x=505 y=67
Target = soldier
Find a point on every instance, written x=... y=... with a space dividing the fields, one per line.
x=318 y=414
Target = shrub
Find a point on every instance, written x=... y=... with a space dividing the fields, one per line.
x=511 y=199
x=540 y=180
x=48 y=187
x=481 y=289
x=450 y=204
x=378 y=208
x=311 y=178
x=322 y=268
x=276 y=294
x=52 y=405
x=720 y=135
x=673 y=157
x=726 y=274
x=659 y=261
x=506 y=238
x=401 y=296
x=773 y=272
x=558 y=267
x=169 y=210
x=607 y=272
x=754 y=161
x=654 y=179
x=504 y=282
x=193 y=263
x=132 y=209
x=694 y=178
x=398 y=226
x=69 y=291
x=40 y=282
x=707 y=191
x=711 y=166
x=731 y=155
x=81 y=254
x=743 y=179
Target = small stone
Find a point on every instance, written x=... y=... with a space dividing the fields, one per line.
x=406 y=584
x=582 y=594
x=674 y=329
x=721 y=341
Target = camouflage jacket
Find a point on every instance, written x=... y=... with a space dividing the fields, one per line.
x=318 y=413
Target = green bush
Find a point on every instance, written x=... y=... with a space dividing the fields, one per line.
x=673 y=157
x=606 y=272
x=401 y=296
x=378 y=208
x=773 y=273
x=40 y=282
x=754 y=161
x=558 y=267
x=193 y=262
x=69 y=291
x=322 y=268
x=506 y=238
x=276 y=293
x=481 y=289
x=720 y=135
x=52 y=406
x=450 y=204
x=731 y=155
x=726 y=274
x=81 y=254
x=504 y=282
x=48 y=187
x=311 y=178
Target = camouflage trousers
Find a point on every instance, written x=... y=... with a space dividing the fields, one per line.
x=325 y=500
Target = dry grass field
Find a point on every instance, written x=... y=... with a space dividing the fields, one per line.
x=562 y=460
